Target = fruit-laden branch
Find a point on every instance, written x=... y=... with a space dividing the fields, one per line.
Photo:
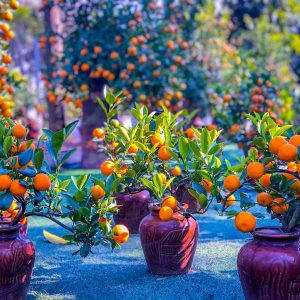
x=231 y=193
x=295 y=174
x=21 y=211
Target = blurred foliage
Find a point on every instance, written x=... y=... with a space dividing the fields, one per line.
x=143 y=47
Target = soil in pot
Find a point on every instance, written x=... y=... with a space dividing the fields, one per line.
x=17 y=255
x=269 y=265
x=169 y=246
x=133 y=208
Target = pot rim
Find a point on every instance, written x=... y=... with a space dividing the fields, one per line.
x=129 y=193
x=274 y=232
x=6 y=227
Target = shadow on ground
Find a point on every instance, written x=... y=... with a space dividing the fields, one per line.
x=122 y=274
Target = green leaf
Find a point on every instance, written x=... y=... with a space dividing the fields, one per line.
x=57 y=141
x=6 y=200
x=67 y=155
x=102 y=105
x=25 y=157
x=110 y=99
x=183 y=146
x=114 y=185
x=8 y=141
x=85 y=250
x=70 y=127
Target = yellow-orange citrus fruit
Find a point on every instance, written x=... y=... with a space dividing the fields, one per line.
x=190 y=133
x=19 y=131
x=232 y=182
x=169 y=201
x=227 y=98
x=163 y=153
x=163 y=177
x=279 y=207
x=107 y=167
x=287 y=152
x=245 y=221
x=255 y=170
x=120 y=233
x=5 y=182
x=265 y=180
x=207 y=184
x=276 y=143
x=264 y=199
x=158 y=139
x=17 y=189
x=98 y=133
x=23 y=147
x=295 y=140
x=97 y=192
x=295 y=186
x=133 y=148
x=230 y=201
x=166 y=213
x=41 y=182
x=176 y=171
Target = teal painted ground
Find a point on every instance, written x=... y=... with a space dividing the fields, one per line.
x=123 y=274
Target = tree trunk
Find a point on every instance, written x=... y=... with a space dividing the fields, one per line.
x=92 y=117
x=56 y=120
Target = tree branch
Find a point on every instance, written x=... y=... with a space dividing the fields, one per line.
x=294 y=219
x=50 y=217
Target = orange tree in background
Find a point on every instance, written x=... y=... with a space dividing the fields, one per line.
x=246 y=87
x=142 y=47
x=7 y=80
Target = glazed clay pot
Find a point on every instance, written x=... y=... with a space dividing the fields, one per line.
x=169 y=246
x=133 y=208
x=17 y=256
x=269 y=265
x=24 y=226
x=184 y=197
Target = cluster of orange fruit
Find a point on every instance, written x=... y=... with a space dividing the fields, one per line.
x=286 y=151
x=40 y=182
x=7 y=34
x=120 y=233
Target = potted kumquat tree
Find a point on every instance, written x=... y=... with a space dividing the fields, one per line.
x=132 y=152
x=269 y=265
x=29 y=188
x=169 y=233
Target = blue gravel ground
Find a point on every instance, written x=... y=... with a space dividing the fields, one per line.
x=123 y=274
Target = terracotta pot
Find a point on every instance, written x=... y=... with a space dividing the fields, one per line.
x=169 y=246
x=184 y=197
x=17 y=256
x=269 y=265
x=133 y=208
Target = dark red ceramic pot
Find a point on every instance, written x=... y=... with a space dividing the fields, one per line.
x=17 y=256
x=24 y=225
x=184 y=197
x=133 y=208
x=169 y=246
x=269 y=265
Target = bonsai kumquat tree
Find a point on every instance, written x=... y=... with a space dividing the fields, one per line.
x=272 y=171
x=29 y=188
